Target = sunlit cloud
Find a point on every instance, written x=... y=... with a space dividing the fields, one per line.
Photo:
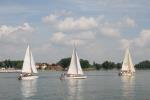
x=6 y=30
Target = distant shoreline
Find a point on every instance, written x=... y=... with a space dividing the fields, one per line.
x=10 y=71
x=86 y=70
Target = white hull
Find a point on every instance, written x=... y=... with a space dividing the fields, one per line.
x=77 y=77
x=73 y=77
x=28 y=78
x=126 y=74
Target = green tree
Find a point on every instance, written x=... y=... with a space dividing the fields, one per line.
x=85 y=63
x=108 y=65
x=64 y=62
x=18 y=64
x=118 y=65
x=11 y=64
x=97 y=66
x=143 y=65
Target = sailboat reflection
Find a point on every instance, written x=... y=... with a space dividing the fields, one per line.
x=75 y=89
x=128 y=87
x=28 y=88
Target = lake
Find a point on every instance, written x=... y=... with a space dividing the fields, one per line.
x=99 y=85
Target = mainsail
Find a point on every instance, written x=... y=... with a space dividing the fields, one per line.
x=127 y=62
x=28 y=64
x=75 y=67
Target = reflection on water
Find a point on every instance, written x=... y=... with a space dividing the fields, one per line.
x=128 y=87
x=28 y=88
x=75 y=89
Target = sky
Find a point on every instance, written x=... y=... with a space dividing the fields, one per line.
x=102 y=29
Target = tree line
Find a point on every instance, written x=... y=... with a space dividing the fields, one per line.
x=106 y=65
x=85 y=64
x=17 y=64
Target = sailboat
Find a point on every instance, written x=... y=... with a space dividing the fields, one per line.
x=127 y=66
x=29 y=67
x=75 y=70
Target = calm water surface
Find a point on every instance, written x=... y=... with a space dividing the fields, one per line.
x=100 y=85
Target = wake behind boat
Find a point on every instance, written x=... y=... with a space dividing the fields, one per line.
x=28 y=68
x=127 y=66
x=75 y=70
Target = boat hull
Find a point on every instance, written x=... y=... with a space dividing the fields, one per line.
x=27 y=77
x=77 y=77
x=73 y=77
x=126 y=74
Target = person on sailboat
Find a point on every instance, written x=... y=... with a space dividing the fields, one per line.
x=20 y=76
x=62 y=77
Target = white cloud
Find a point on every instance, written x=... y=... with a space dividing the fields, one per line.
x=143 y=39
x=125 y=43
x=50 y=18
x=110 y=31
x=69 y=39
x=54 y=17
x=26 y=27
x=67 y=23
x=81 y=23
x=87 y=35
x=115 y=29
x=8 y=30
x=58 y=37
x=126 y=22
x=84 y=28
x=76 y=41
x=130 y=22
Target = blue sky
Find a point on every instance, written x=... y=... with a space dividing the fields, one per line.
x=101 y=28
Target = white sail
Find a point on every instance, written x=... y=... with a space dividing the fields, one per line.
x=127 y=62
x=131 y=64
x=79 y=69
x=33 y=64
x=28 y=64
x=75 y=67
x=73 y=64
